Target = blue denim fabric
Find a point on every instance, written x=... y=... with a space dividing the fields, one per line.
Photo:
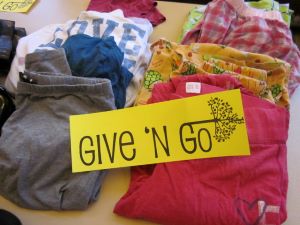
x=101 y=58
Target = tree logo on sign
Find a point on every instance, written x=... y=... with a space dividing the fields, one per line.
x=224 y=118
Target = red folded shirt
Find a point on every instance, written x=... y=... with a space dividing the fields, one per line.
x=131 y=8
x=248 y=190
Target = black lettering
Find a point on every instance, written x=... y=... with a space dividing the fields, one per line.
x=98 y=147
x=131 y=142
x=193 y=140
x=165 y=146
x=111 y=154
x=92 y=152
x=209 y=138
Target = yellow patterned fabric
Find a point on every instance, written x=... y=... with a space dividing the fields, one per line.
x=264 y=76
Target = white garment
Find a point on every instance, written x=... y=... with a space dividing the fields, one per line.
x=131 y=36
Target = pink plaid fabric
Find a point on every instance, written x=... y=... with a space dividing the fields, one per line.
x=225 y=23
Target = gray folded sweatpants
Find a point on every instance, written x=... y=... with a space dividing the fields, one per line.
x=35 y=157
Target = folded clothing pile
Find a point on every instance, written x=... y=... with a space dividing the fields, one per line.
x=234 y=23
x=225 y=190
x=265 y=76
x=234 y=46
x=196 y=14
x=131 y=37
x=36 y=138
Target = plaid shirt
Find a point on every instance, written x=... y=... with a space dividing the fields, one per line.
x=224 y=24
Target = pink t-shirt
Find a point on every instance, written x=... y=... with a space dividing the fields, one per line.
x=225 y=190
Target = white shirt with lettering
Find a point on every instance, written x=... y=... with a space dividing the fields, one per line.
x=130 y=34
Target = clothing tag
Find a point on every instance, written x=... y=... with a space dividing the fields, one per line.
x=193 y=87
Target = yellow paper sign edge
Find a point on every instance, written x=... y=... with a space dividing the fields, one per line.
x=235 y=96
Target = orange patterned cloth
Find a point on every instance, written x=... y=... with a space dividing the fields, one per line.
x=265 y=76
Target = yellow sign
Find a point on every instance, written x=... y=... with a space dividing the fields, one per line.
x=15 y=5
x=204 y=126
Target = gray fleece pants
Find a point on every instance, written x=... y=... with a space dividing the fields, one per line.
x=35 y=156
